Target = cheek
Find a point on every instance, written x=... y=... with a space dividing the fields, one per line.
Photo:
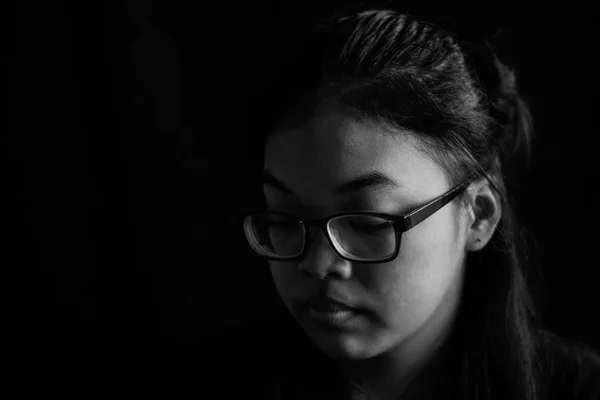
x=412 y=286
x=431 y=250
x=284 y=277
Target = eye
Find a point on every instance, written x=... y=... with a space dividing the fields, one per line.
x=283 y=223
x=369 y=227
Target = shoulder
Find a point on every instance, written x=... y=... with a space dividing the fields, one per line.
x=570 y=369
x=237 y=362
x=272 y=338
x=253 y=360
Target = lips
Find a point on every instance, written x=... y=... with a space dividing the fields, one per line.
x=330 y=315
x=328 y=305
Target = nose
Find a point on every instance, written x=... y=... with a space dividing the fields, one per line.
x=321 y=260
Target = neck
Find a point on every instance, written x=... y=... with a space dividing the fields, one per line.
x=385 y=378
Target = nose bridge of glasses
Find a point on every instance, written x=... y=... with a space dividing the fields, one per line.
x=321 y=258
x=314 y=241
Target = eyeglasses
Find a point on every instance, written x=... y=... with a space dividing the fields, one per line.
x=361 y=236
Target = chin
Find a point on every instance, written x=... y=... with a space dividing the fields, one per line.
x=342 y=345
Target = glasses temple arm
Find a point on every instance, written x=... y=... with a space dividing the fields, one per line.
x=422 y=213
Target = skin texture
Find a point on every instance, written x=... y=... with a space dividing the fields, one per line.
x=408 y=304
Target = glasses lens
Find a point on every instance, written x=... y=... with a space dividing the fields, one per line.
x=363 y=237
x=274 y=235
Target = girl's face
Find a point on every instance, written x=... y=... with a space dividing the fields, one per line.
x=406 y=304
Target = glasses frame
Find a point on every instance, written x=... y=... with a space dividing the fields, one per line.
x=401 y=224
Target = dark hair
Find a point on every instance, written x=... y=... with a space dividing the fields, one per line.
x=462 y=103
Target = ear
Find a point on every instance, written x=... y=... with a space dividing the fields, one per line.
x=485 y=211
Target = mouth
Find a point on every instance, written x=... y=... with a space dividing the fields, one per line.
x=327 y=305
x=329 y=312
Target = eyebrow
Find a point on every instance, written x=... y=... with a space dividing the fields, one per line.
x=370 y=180
x=270 y=179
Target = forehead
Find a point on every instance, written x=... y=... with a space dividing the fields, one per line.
x=328 y=141
x=332 y=148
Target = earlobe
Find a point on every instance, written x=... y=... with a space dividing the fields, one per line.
x=485 y=212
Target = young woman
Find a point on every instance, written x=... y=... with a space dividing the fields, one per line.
x=390 y=230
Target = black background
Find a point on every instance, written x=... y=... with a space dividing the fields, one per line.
x=127 y=160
